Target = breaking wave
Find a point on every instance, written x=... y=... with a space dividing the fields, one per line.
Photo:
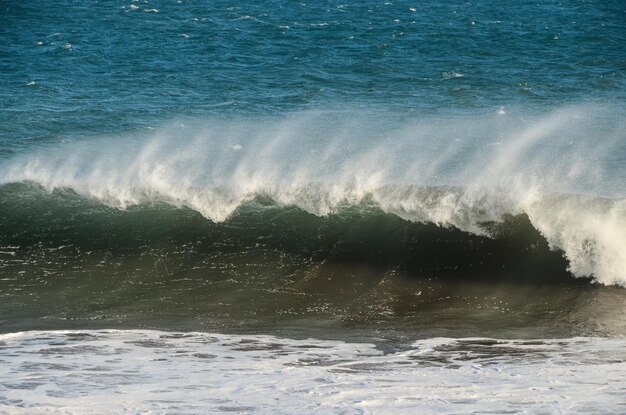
x=561 y=174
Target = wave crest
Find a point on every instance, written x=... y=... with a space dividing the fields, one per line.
x=457 y=172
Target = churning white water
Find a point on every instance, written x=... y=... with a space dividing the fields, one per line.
x=132 y=371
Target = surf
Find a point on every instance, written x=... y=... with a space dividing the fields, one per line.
x=560 y=171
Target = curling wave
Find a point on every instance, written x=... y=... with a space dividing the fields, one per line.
x=561 y=172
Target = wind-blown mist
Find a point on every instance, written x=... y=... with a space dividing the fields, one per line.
x=565 y=170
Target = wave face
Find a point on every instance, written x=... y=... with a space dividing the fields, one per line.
x=561 y=173
x=39 y=222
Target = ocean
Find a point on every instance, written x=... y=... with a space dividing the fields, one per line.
x=328 y=207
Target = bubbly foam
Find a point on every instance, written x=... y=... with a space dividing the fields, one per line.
x=135 y=371
x=561 y=169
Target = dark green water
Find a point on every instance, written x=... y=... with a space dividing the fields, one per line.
x=271 y=269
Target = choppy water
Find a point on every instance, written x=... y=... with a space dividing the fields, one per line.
x=70 y=70
x=367 y=175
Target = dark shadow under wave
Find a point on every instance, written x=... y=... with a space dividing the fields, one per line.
x=40 y=224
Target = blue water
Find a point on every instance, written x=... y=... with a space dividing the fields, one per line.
x=73 y=69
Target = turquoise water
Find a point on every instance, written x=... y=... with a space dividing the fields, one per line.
x=76 y=69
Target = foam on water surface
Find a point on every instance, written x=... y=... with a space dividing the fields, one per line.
x=135 y=371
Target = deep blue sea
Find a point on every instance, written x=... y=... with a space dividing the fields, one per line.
x=312 y=207
x=84 y=68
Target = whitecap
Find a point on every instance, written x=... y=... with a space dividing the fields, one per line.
x=452 y=75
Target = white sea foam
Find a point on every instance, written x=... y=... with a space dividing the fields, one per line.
x=562 y=169
x=133 y=371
